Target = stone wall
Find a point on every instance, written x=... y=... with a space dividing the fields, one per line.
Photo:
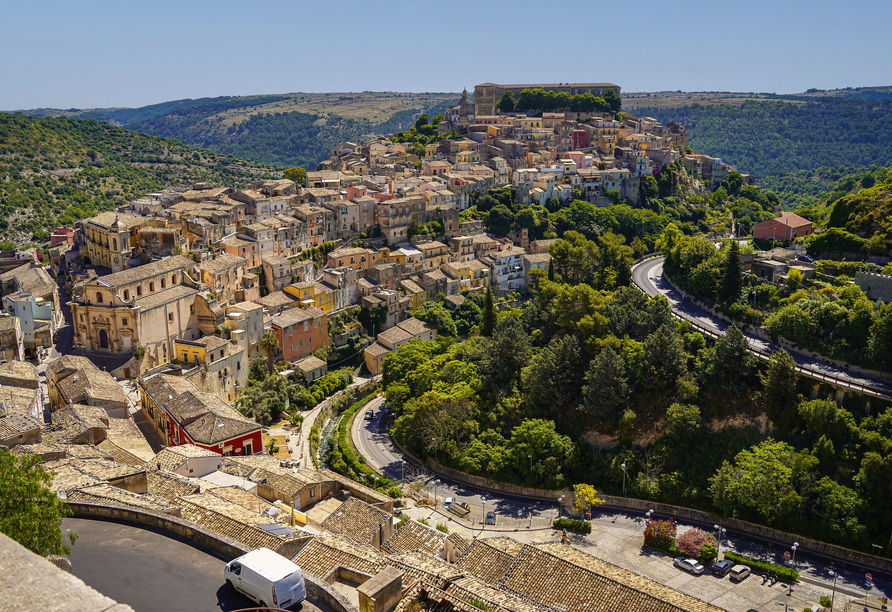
x=876 y=286
x=227 y=547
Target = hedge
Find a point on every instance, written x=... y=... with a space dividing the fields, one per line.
x=573 y=525
x=783 y=572
x=672 y=549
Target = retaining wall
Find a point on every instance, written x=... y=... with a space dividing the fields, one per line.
x=678 y=512
x=212 y=540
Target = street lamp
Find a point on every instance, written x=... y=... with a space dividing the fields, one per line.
x=648 y=513
x=623 y=466
x=531 y=462
x=376 y=481
x=832 y=597
x=794 y=547
x=434 y=445
x=560 y=503
x=483 y=524
x=721 y=531
x=436 y=485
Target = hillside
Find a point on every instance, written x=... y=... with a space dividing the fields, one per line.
x=815 y=188
x=295 y=129
x=54 y=171
x=775 y=137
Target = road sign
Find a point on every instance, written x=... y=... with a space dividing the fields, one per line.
x=869 y=577
x=787 y=555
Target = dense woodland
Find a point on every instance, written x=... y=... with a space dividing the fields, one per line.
x=775 y=137
x=54 y=171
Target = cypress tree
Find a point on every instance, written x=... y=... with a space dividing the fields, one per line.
x=488 y=321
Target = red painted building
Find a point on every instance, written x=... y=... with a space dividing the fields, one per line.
x=580 y=139
x=300 y=331
x=183 y=414
x=785 y=228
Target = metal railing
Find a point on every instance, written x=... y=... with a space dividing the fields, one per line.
x=766 y=356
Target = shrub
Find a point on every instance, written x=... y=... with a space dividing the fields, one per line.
x=826 y=602
x=573 y=525
x=442 y=527
x=659 y=533
x=424 y=522
x=693 y=540
x=761 y=567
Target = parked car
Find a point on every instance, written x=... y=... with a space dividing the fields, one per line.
x=739 y=573
x=448 y=501
x=266 y=577
x=490 y=518
x=689 y=565
x=461 y=509
x=805 y=258
x=721 y=568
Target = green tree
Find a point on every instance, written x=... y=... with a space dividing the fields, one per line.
x=664 y=360
x=606 y=390
x=552 y=380
x=296 y=174
x=826 y=418
x=437 y=315
x=422 y=121
x=684 y=422
x=30 y=513
x=732 y=279
x=779 y=384
x=880 y=340
x=506 y=102
x=488 y=318
x=584 y=497
x=614 y=100
x=269 y=343
x=506 y=355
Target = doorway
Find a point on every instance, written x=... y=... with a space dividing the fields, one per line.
x=103 y=339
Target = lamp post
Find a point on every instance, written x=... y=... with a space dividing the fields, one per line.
x=721 y=532
x=434 y=445
x=623 y=466
x=795 y=546
x=531 y=463
x=560 y=503
x=832 y=597
x=648 y=514
x=376 y=481
x=436 y=486
x=483 y=523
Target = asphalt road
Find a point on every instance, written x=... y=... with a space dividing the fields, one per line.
x=648 y=275
x=153 y=571
x=374 y=443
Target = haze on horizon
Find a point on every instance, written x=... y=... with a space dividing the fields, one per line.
x=105 y=54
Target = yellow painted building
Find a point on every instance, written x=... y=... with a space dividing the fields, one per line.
x=313 y=295
x=110 y=237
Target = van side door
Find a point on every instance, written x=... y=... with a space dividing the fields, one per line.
x=235 y=575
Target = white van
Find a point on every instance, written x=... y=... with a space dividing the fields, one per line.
x=266 y=577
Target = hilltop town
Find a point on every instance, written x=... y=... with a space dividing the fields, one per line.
x=129 y=355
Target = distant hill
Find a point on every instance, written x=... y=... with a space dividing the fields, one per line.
x=771 y=137
x=296 y=129
x=56 y=170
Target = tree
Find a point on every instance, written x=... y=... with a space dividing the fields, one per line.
x=506 y=355
x=614 y=100
x=684 y=422
x=423 y=120
x=435 y=314
x=30 y=513
x=880 y=341
x=488 y=319
x=584 y=497
x=664 y=360
x=269 y=343
x=506 y=102
x=551 y=270
x=500 y=217
x=552 y=379
x=779 y=383
x=297 y=174
x=606 y=391
x=732 y=279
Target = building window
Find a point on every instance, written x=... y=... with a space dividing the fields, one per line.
x=170 y=317
x=290 y=347
x=151 y=287
x=98 y=298
x=124 y=321
x=185 y=356
x=238 y=365
x=162 y=283
x=139 y=290
x=126 y=294
x=192 y=309
x=173 y=280
x=115 y=244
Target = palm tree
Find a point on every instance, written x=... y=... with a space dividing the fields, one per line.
x=269 y=342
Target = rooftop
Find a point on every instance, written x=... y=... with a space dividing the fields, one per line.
x=356 y=520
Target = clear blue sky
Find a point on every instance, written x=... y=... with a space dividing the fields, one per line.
x=96 y=53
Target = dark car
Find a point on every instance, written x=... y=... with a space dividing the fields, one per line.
x=721 y=568
x=805 y=258
x=490 y=518
x=369 y=415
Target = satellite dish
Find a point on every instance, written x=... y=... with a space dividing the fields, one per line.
x=271 y=512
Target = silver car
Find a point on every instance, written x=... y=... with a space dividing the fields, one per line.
x=689 y=565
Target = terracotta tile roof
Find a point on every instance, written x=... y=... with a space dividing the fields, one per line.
x=249 y=535
x=468 y=588
x=173 y=457
x=486 y=562
x=556 y=581
x=105 y=493
x=165 y=296
x=356 y=520
x=419 y=565
x=413 y=535
x=508 y=545
x=16 y=424
x=461 y=545
x=76 y=473
x=18 y=373
x=8 y=324
x=222 y=262
x=308 y=364
x=164 y=266
x=295 y=316
x=107 y=219
x=394 y=335
x=274 y=299
x=376 y=349
x=415 y=326
x=327 y=551
x=169 y=486
x=352 y=485
x=88 y=381
x=46 y=452
x=125 y=435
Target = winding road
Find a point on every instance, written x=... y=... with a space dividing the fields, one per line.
x=648 y=276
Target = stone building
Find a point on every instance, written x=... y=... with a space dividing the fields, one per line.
x=109 y=237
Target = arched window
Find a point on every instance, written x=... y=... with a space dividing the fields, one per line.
x=126 y=294
x=98 y=297
x=115 y=244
